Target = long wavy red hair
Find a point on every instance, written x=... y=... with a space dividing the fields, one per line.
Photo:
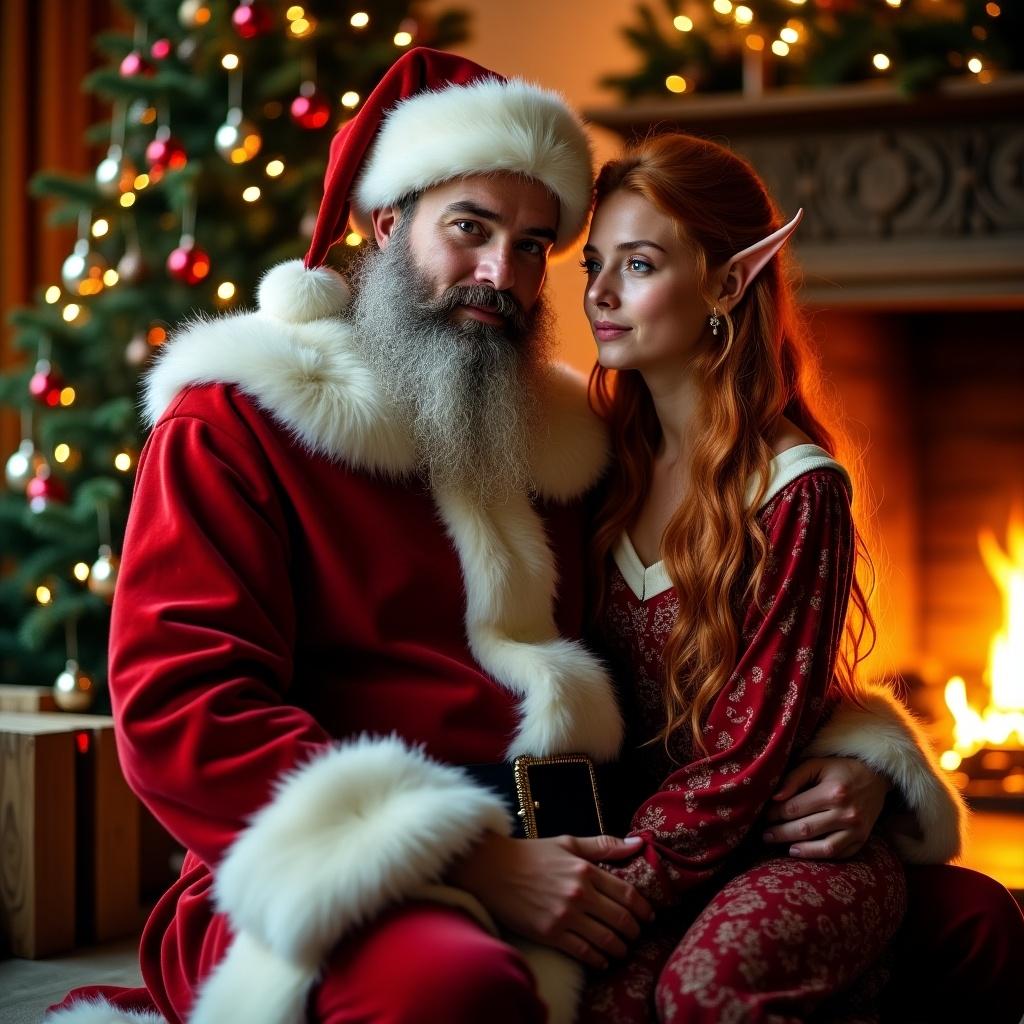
x=713 y=547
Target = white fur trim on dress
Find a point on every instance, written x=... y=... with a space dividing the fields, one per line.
x=366 y=825
x=485 y=127
x=885 y=736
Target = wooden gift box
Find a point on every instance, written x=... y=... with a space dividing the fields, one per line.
x=69 y=834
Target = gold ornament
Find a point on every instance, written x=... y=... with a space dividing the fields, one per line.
x=22 y=465
x=237 y=139
x=83 y=270
x=73 y=690
x=114 y=174
x=103 y=574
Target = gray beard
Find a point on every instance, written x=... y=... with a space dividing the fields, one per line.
x=468 y=389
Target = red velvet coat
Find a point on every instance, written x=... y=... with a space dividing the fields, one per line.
x=307 y=640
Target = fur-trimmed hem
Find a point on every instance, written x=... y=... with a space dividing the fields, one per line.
x=885 y=736
x=99 y=1011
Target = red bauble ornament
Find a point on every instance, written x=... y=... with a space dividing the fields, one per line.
x=311 y=109
x=135 y=64
x=165 y=152
x=44 y=489
x=252 y=18
x=46 y=384
x=161 y=49
x=188 y=263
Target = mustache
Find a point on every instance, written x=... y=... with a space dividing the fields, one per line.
x=494 y=301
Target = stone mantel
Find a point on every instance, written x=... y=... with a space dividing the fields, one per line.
x=910 y=203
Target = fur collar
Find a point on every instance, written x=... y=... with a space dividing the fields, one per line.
x=310 y=377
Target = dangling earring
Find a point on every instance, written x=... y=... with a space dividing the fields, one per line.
x=714 y=320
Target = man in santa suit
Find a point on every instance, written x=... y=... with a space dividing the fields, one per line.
x=353 y=567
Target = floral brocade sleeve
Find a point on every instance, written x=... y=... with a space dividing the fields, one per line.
x=772 y=704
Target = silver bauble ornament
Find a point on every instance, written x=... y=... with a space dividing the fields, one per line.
x=237 y=140
x=114 y=173
x=130 y=267
x=82 y=272
x=193 y=13
x=73 y=690
x=22 y=465
x=103 y=574
x=137 y=351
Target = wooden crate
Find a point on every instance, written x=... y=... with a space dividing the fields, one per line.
x=27 y=698
x=69 y=848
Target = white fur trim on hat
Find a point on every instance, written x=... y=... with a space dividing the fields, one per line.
x=886 y=737
x=99 y=1011
x=486 y=127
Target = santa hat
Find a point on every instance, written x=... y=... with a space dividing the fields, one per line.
x=435 y=117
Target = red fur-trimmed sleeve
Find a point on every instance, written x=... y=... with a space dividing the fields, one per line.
x=774 y=700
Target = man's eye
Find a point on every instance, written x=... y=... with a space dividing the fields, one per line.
x=469 y=226
x=532 y=247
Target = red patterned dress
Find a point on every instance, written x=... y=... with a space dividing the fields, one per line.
x=784 y=936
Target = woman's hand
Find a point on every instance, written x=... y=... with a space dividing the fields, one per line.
x=826 y=808
x=553 y=892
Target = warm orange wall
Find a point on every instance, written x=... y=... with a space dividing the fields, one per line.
x=565 y=45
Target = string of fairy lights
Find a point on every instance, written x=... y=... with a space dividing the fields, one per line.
x=86 y=274
x=767 y=32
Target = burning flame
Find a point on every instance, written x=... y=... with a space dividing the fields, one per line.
x=1001 y=724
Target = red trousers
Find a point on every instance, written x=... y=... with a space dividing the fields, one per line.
x=959 y=956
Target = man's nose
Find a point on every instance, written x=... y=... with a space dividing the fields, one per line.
x=495 y=268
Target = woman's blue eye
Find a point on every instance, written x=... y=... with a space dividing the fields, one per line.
x=639 y=265
x=589 y=266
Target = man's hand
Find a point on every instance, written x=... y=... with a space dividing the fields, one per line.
x=553 y=892
x=826 y=808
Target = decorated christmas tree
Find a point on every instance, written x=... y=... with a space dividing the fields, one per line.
x=699 y=46
x=209 y=171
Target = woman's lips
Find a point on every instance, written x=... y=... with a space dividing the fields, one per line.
x=606 y=331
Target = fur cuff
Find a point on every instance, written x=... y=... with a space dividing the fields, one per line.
x=349 y=833
x=885 y=736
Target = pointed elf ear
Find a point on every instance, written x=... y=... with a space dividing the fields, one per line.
x=747 y=264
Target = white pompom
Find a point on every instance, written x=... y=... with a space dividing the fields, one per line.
x=291 y=292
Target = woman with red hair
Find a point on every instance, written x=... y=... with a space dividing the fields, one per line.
x=731 y=596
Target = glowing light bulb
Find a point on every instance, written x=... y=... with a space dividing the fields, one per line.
x=780 y=48
x=683 y=23
x=723 y=6
x=71 y=311
x=975 y=65
x=226 y=290
x=743 y=15
x=81 y=571
x=789 y=35
x=353 y=238
x=881 y=61
x=52 y=294
x=359 y=20
x=62 y=452
x=229 y=61
x=403 y=38
x=251 y=194
x=275 y=168
x=676 y=83
x=350 y=99
x=43 y=595
x=100 y=227
x=127 y=199
x=67 y=396
x=140 y=182
x=123 y=461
